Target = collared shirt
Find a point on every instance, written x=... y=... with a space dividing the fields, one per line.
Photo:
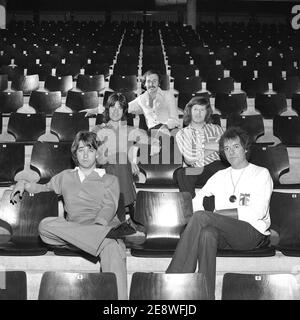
x=164 y=110
x=101 y=173
x=191 y=143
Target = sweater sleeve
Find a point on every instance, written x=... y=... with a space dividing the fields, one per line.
x=55 y=184
x=110 y=201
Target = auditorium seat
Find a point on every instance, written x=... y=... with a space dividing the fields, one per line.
x=11 y=101
x=13 y=285
x=287 y=129
x=270 y=105
x=254 y=86
x=188 y=84
x=78 y=286
x=44 y=101
x=260 y=287
x=228 y=103
x=126 y=69
x=253 y=124
x=274 y=158
x=171 y=286
x=24 y=218
x=163 y=215
x=66 y=69
x=185 y=70
x=66 y=125
x=92 y=69
x=287 y=86
x=159 y=169
x=88 y=83
x=42 y=70
x=26 y=84
x=12 y=157
x=220 y=85
x=50 y=158
x=285 y=215
x=26 y=127
x=117 y=82
x=56 y=83
x=77 y=101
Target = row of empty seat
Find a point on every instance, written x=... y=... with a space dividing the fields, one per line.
x=151 y=286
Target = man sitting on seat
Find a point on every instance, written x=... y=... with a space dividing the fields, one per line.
x=90 y=201
x=157 y=105
x=241 y=218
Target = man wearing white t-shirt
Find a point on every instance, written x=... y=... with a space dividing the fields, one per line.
x=241 y=217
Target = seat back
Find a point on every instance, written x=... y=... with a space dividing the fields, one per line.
x=270 y=105
x=260 y=287
x=188 y=84
x=44 y=101
x=159 y=169
x=87 y=82
x=229 y=103
x=285 y=218
x=220 y=85
x=25 y=216
x=274 y=158
x=66 y=125
x=164 y=215
x=287 y=129
x=82 y=100
x=12 y=158
x=11 y=101
x=50 y=158
x=78 y=286
x=59 y=83
x=13 y=285
x=171 y=286
x=254 y=86
x=253 y=124
x=26 y=84
x=3 y=82
x=27 y=127
x=117 y=82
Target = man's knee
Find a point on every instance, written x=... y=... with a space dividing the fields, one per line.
x=208 y=233
x=46 y=224
x=201 y=217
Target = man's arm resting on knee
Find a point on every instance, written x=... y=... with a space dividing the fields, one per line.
x=231 y=213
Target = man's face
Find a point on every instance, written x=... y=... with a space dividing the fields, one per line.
x=198 y=113
x=152 y=83
x=235 y=153
x=86 y=156
x=115 y=112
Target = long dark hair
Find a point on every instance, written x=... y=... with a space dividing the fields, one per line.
x=111 y=101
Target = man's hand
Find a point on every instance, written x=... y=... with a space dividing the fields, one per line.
x=135 y=169
x=90 y=112
x=19 y=188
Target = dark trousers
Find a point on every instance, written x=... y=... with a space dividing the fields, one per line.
x=205 y=233
x=188 y=178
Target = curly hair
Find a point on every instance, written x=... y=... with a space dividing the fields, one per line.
x=202 y=101
x=148 y=73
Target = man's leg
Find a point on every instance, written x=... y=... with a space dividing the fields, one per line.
x=186 y=182
x=113 y=259
x=46 y=228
